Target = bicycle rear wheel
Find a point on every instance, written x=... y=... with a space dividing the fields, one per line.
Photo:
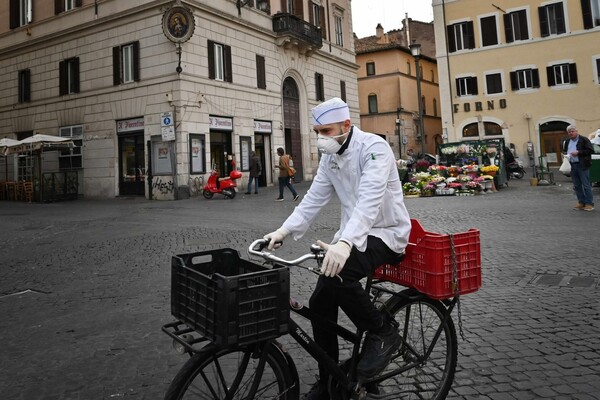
x=216 y=373
x=419 y=319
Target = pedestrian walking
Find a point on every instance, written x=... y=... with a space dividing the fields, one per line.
x=359 y=168
x=255 y=172
x=285 y=175
x=579 y=149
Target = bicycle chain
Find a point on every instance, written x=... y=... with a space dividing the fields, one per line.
x=456 y=288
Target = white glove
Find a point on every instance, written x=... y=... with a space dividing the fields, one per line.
x=335 y=257
x=275 y=238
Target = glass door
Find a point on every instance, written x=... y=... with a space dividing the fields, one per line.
x=132 y=171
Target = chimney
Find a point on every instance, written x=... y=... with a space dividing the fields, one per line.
x=407 y=29
x=379 y=31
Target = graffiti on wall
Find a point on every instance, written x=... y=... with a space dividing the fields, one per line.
x=163 y=187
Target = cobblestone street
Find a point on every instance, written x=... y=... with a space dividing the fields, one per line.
x=85 y=289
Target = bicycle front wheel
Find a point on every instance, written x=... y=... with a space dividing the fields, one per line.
x=259 y=372
x=430 y=377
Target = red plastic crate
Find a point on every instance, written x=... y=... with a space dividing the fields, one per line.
x=428 y=263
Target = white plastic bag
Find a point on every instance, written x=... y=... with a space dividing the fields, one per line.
x=565 y=167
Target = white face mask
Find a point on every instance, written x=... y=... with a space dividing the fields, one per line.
x=329 y=144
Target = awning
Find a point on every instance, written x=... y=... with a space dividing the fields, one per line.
x=5 y=143
x=37 y=142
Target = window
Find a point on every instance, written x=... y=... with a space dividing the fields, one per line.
x=493 y=83
x=69 y=76
x=370 y=68
x=294 y=7
x=525 y=79
x=65 y=5
x=219 y=62
x=21 y=13
x=515 y=26
x=561 y=74
x=435 y=108
x=424 y=105
x=466 y=86
x=71 y=158
x=408 y=68
x=597 y=64
x=261 y=75
x=492 y=129
x=126 y=63
x=373 y=104
x=197 y=154
x=552 y=19
x=319 y=88
x=489 y=31
x=591 y=13
x=339 y=30
x=317 y=18
x=471 y=130
x=24 y=86
x=343 y=90
x=460 y=36
x=263 y=5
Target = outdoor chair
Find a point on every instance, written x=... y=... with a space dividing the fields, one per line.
x=28 y=191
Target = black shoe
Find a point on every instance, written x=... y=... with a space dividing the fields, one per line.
x=317 y=392
x=254 y=193
x=247 y=193
x=378 y=349
x=296 y=197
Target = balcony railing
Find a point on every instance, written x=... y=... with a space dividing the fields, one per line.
x=292 y=30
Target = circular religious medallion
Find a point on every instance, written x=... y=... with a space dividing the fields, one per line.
x=178 y=24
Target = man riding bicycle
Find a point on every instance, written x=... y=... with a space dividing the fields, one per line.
x=361 y=169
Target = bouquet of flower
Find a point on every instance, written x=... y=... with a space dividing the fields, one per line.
x=450 y=150
x=422 y=165
x=438 y=179
x=474 y=186
x=420 y=176
x=465 y=178
x=455 y=185
x=470 y=168
x=487 y=177
x=486 y=169
x=453 y=170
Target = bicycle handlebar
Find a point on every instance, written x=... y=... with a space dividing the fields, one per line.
x=256 y=248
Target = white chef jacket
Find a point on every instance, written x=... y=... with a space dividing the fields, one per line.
x=366 y=180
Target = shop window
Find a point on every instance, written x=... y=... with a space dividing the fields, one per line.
x=493 y=83
x=591 y=13
x=24 y=86
x=65 y=5
x=525 y=79
x=562 y=74
x=470 y=130
x=126 y=63
x=466 y=86
x=197 y=154
x=261 y=75
x=69 y=76
x=219 y=62
x=460 y=36
x=552 y=19
x=516 y=26
x=489 y=31
x=71 y=158
x=373 y=104
x=21 y=13
x=319 y=87
x=492 y=129
x=370 y=68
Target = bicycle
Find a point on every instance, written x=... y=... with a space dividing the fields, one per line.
x=255 y=366
x=196 y=185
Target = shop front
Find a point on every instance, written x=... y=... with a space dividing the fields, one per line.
x=132 y=170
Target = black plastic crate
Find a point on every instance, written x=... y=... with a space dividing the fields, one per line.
x=227 y=299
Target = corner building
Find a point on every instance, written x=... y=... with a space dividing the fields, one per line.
x=519 y=70
x=157 y=93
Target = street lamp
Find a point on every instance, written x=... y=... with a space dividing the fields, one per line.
x=415 y=49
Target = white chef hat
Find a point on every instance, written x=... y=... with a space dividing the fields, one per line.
x=330 y=112
x=596 y=139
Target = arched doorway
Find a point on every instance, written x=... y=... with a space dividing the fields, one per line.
x=291 y=125
x=551 y=136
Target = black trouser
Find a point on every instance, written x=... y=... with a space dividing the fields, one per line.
x=350 y=296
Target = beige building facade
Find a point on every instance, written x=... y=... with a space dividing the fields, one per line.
x=388 y=91
x=156 y=93
x=519 y=70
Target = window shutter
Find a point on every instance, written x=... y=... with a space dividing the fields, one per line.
x=508 y=29
x=227 y=62
x=59 y=6
x=544 y=28
x=457 y=83
x=76 y=73
x=343 y=90
x=470 y=39
x=535 y=77
x=78 y=3
x=551 y=78
x=514 y=83
x=320 y=91
x=211 y=59
x=311 y=14
x=560 y=19
x=299 y=8
x=586 y=10
x=116 y=65
x=474 y=85
x=489 y=35
x=62 y=78
x=573 y=73
x=14 y=14
x=523 y=25
x=322 y=22
x=136 y=61
x=284 y=6
x=260 y=72
x=27 y=86
x=451 y=39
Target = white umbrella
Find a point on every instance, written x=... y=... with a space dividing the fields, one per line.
x=37 y=142
x=5 y=143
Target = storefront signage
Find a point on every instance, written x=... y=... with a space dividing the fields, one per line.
x=221 y=123
x=479 y=106
x=130 y=125
x=263 y=126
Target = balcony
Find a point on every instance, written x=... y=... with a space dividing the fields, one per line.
x=295 y=32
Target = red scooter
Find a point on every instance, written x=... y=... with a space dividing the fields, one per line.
x=225 y=186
